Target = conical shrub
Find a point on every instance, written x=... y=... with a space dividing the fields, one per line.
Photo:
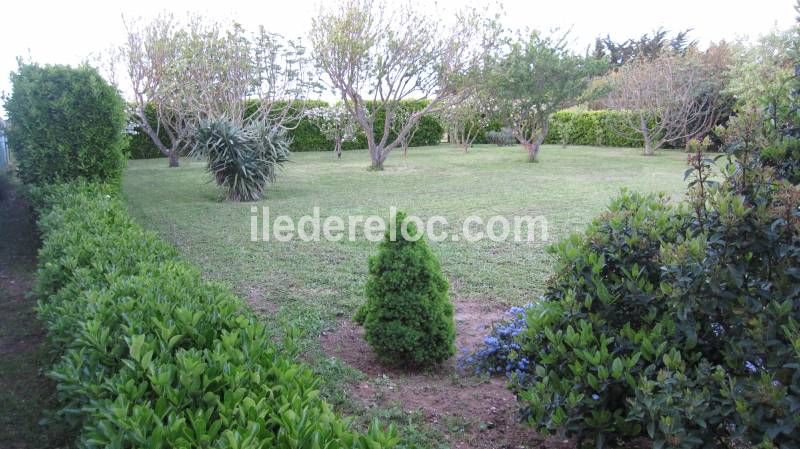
x=408 y=316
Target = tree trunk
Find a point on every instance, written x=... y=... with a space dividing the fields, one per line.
x=377 y=160
x=648 y=144
x=174 y=159
x=533 y=150
x=648 y=148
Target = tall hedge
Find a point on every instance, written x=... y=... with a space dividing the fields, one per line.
x=153 y=356
x=305 y=135
x=65 y=123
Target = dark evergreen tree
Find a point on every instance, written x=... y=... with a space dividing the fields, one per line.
x=408 y=316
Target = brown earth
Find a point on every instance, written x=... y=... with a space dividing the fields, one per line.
x=471 y=412
x=26 y=394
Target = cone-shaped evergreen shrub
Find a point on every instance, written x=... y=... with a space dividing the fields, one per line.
x=408 y=317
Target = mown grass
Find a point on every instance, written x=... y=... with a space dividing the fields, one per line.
x=307 y=286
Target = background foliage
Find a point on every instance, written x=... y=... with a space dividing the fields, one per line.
x=304 y=135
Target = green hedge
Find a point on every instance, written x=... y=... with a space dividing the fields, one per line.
x=65 y=123
x=305 y=135
x=597 y=128
x=151 y=355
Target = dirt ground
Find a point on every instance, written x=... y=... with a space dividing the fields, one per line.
x=472 y=412
x=26 y=394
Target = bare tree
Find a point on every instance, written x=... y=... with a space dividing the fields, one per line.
x=153 y=55
x=375 y=57
x=184 y=73
x=464 y=121
x=668 y=99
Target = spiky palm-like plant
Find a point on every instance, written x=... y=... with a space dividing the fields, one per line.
x=242 y=159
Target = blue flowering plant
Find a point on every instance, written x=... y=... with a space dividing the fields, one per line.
x=500 y=353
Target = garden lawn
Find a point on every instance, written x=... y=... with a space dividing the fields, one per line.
x=309 y=287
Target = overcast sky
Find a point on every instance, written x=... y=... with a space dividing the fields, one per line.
x=69 y=32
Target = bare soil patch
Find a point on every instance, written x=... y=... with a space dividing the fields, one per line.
x=26 y=394
x=472 y=412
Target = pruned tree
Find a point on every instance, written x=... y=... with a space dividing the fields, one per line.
x=669 y=99
x=536 y=77
x=375 y=56
x=154 y=55
x=187 y=72
x=465 y=121
x=335 y=123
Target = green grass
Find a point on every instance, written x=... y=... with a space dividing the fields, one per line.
x=568 y=187
x=307 y=286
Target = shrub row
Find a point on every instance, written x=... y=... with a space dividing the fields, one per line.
x=593 y=128
x=305 y=135
x=153 y=356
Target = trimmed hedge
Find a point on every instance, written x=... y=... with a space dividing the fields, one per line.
x=305 y=135
x=595 y=128
x=154 y=356
x=65 y=123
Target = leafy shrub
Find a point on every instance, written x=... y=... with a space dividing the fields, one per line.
x=153 y=356
x=502 y=138
x=408 y=316
x=674 y=322
x=65 y=123
x=243 y=160
x=428 y=133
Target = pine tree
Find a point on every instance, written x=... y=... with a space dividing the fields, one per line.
x=408 y=316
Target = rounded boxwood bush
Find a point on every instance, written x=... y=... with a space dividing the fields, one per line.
x=65 y=123
x=408 y=316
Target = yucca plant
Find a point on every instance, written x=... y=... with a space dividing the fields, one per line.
x=242 y=159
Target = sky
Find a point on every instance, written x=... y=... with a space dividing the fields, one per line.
x=69 y=32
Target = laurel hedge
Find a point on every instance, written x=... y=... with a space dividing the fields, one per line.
x=153 y=356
